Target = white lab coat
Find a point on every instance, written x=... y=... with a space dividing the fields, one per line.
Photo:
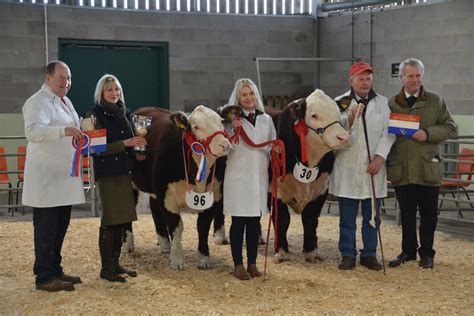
x=349 y=177
x=246 y=173
x=50 y=153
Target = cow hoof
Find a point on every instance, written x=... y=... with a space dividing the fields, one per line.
x=281 y=256
x=177 y=260
x=177 y=264
x=204 y=262
x=220 y=237
x=313 y=257
x=221 y=242
x=129 y=245
x=164 y=243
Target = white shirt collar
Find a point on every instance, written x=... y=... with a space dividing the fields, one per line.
x=407 y=95
x=247 y=112
x=359 y=97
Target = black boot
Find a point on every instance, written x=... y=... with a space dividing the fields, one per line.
x=118 y=240
x=106 y=245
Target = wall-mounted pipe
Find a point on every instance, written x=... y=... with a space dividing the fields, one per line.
x=46 y=46
x=326 y=7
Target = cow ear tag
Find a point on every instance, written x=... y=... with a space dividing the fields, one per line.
x=199 y=201
x=301 y=129
x=305 y=174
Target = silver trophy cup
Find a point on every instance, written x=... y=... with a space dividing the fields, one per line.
x=141 y=123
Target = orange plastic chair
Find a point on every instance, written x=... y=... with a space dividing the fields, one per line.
x=86 y=177
x=4 y=178
x=21 y=164
x=461 y=168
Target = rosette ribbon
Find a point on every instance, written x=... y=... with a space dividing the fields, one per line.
x=199 y=150
x=80 y=145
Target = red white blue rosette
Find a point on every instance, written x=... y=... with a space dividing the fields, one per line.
x=80 y=145
x=199 y=150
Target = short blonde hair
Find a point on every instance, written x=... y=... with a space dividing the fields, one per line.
x=105 y=82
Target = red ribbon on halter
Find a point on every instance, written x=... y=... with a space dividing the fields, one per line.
x=301 y=129
x=190 y=138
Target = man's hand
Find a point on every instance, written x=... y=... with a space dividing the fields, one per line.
x=74 y=132
x=376 y=164
x=420 y=135
x=135 y=142
x=356 y=112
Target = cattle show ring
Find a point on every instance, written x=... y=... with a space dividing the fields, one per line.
x=174 y=278
x=292 y=287
x=236 y=157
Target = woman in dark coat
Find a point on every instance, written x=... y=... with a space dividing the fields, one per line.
x=112 y=170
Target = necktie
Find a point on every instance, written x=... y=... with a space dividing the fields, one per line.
x=411 y=100
x=364 y=101
x=251 y=118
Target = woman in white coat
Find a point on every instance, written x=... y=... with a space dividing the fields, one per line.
x=50 y=124
x=246 y=177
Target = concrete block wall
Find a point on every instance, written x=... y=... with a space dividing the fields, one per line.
x=207 y=52
x=441 y=35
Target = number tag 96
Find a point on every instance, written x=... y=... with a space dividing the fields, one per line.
x=305 y=174
x=199 y=201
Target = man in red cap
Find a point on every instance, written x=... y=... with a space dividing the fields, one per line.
x=366 y=114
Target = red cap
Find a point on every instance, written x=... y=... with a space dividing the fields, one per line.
x=359 y=68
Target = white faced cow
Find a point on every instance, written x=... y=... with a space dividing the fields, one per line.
x=310 y=125
x=170 y=174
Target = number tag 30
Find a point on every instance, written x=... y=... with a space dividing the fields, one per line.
x=305 y=174
x=199 y=201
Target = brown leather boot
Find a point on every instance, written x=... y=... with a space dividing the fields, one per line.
x=116 y=249
x=240 y=272
x=106 y=244
x=55 y=285
x=253 y=271
x=69 y=278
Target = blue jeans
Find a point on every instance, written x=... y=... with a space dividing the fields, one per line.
x=348 y=209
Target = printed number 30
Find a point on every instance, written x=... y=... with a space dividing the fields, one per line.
x=305 y=173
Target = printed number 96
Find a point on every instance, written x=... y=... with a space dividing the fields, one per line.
x=199 y=200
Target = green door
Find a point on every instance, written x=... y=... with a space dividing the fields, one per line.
x=142 y=69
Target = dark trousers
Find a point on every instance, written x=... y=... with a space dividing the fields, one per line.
x=50 y=226
x=251 y=226
x=413 y=197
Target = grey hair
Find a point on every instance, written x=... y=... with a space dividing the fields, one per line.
x=106 y=81
x=239 y=84
x=411 y=62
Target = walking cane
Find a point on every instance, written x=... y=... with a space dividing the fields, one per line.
x=375 y=210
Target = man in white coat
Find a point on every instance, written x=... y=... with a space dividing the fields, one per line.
x=50 y=124
x=351 y=176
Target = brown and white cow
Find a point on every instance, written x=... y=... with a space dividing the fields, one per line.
x=163 y=175
x=317 y=118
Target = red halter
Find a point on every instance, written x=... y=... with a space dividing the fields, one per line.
x=190 y=137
